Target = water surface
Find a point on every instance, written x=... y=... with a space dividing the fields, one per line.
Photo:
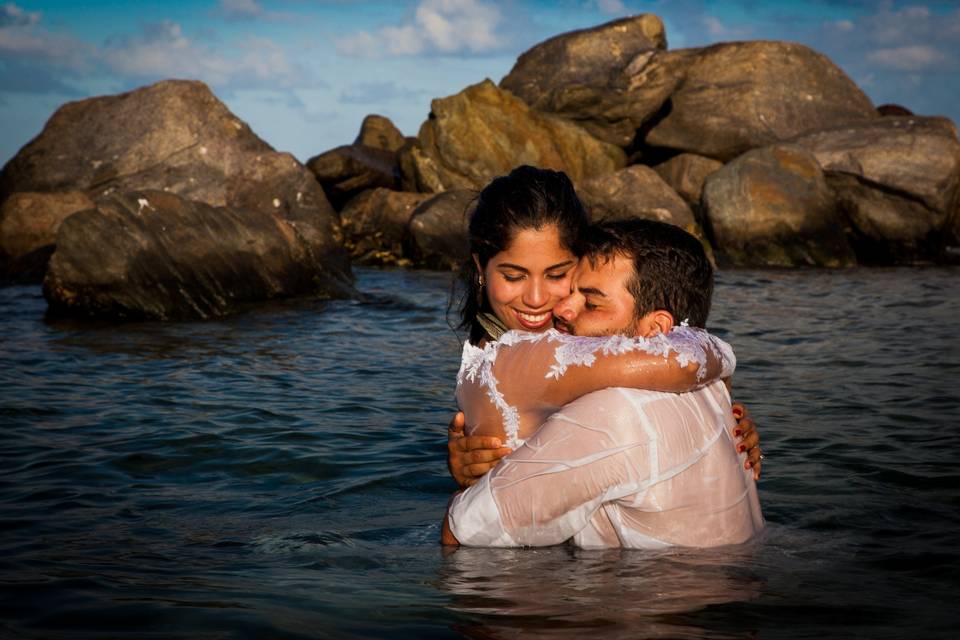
x=282 y=474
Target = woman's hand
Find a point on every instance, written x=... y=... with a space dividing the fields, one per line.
x=749 y=440
x=470 y=457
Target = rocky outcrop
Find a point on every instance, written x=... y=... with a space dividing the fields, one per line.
x=580 y=75
x=155 y=255
x=738 y=96
x=374 y=224
x=635 y=192
x=437 y=233
x=380 y=133
x=346 y=171
x=773 y=207
x=28 y=227
x=898 y=180
x=174 y=136
x=483 y=132
x=686 y=174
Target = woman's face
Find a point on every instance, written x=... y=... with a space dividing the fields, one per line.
x=529 y=277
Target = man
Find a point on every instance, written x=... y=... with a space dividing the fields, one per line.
x=623 y=467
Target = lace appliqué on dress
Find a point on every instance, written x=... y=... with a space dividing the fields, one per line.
x=477 y=364
x=689 y=345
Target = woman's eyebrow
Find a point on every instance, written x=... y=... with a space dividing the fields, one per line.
x=510 y=265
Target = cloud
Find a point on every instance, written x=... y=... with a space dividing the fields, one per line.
x=437 y=26
x=241 y=9
x=13 y=16
x=34 y=59
x=907 y=58
x=611 y=7
x=379 y=92
x=162 y=50
x=247 y=11
x=719 y=31
x=22 y=38
x=906 y=39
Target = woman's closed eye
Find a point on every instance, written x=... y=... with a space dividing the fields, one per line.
x=557 y=276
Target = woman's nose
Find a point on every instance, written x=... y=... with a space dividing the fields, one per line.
x=535 y=295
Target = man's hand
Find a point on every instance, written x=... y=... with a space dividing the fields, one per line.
x=746 y=431
x=470 y=457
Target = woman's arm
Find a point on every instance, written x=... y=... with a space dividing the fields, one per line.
x=681 y=360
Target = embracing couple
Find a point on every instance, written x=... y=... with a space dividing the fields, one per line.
x=587 y=355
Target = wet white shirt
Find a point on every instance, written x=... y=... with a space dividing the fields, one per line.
x=619 y=468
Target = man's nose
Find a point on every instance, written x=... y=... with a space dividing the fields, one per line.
x=566 y=309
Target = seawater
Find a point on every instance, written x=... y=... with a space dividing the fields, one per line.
x=281 y=473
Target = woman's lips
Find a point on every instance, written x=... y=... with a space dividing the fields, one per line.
x=533 y=320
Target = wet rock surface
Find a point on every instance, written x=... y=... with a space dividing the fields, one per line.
x=157 y=256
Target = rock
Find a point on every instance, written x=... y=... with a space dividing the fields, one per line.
x=737 y=96
x=635 y=192
x=28 y=227
x=483 y=132
x=893 y=110
x=156 y=255
x=578 y=75
x=374 y=224
x=173 y=136
x=437 y=233
x=686 y=173
x=380 y=133
x=918 y=157
x=347 y=170
x=897 y=178
x=772 y=207
x=638 y=192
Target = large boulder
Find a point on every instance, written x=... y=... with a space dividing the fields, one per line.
x=28 y=227
x=772 y=207
x=898 y=180
x=685 y=173
x=738 y=96
x=156 y=255
x=173 y=136
x=635 y=192
x=438 y=230
x=580 y=75
x=374 y=224
x=347 y=170
x=379 y=132
x=638 y=192
x=483 y=132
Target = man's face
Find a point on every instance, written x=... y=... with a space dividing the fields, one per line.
x=599 y=303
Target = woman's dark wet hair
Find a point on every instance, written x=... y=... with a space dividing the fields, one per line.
x=526 y=198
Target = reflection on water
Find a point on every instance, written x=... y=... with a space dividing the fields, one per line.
x=566 y=592
x=281 y=474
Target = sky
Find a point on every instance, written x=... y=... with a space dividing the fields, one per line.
x=304 y=73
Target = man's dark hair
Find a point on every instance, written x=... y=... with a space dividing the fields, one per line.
x=671 y=268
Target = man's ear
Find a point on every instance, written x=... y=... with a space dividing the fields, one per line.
x=655 y=322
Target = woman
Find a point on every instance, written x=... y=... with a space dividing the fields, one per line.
x=524 y=237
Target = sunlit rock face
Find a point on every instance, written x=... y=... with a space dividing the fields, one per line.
x=177 y=137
